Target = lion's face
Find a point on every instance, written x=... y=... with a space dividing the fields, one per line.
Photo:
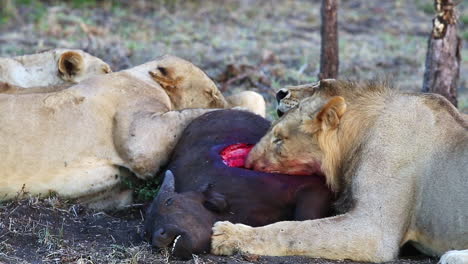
x=289 y=97
x=294 y=145
x=76 y=65
x=186 y=84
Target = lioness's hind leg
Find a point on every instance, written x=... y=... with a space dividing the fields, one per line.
x=112 y=199
x=83 y=181
x=454 y=257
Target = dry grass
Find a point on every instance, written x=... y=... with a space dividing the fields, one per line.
x=54 y=231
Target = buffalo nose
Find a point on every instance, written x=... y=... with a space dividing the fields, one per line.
x=281 y=94
x=160 y=234
x=160 y=238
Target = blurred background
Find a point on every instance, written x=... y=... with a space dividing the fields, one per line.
x=241 y=44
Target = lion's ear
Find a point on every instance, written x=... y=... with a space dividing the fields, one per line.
x=70 y=63
x=331 y=113
x=328 y=117
x=165 y=77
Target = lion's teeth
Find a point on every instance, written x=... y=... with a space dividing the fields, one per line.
x=174 y=243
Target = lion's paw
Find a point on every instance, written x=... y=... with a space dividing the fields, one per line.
x=454 y=257
x=228 y=238
x=240 y=108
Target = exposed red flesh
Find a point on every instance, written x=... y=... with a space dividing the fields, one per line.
x=235 y=155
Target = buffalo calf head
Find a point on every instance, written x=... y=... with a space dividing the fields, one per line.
x=182 y=221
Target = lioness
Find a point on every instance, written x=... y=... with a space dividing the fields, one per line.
x=75 y=142
x=397 y=161
x=58 y=67
x=56 y=70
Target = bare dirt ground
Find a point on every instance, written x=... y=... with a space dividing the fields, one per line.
x=244 y=44
x=54 y=231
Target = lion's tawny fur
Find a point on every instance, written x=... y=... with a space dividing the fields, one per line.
x=397 y=161
x=75 y=142
x=51 y=68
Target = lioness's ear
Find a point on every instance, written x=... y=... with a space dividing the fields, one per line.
x=330 y=115
x=213 y=94
x=106 y=68
x=70 y=63
x=165 y=77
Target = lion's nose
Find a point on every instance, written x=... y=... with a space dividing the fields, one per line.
x=281 y=94
x=257 y=166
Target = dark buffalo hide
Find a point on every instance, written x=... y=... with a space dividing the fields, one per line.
x=200 y=189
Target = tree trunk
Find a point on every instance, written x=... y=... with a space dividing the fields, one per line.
x=329 y=49
x=443 y=53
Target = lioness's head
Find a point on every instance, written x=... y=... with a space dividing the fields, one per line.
x=76 y=65
x=301 y=140
x=289 y=97
x=186 y=85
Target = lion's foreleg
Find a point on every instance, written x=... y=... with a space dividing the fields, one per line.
x=372 y=231
x=346 y=236
x=151 y=137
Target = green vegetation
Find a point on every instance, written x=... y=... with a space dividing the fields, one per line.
x=463 y=104
x=142 y=190
x=427 y=6
x=9 y=11
x=465 y=35
x=85 y=3
x=464 y=19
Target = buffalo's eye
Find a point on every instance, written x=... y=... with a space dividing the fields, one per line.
x=168 y=202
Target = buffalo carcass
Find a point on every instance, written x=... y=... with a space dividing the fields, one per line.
x=199 y=187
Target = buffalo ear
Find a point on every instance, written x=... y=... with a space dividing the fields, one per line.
x=70 y=63
x=215 y=201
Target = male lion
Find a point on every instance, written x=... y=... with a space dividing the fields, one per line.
x=75 y=142
x=53 y=68
x=397 y=161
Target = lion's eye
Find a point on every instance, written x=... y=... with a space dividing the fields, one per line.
x=163 y=71
x=168 y=202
